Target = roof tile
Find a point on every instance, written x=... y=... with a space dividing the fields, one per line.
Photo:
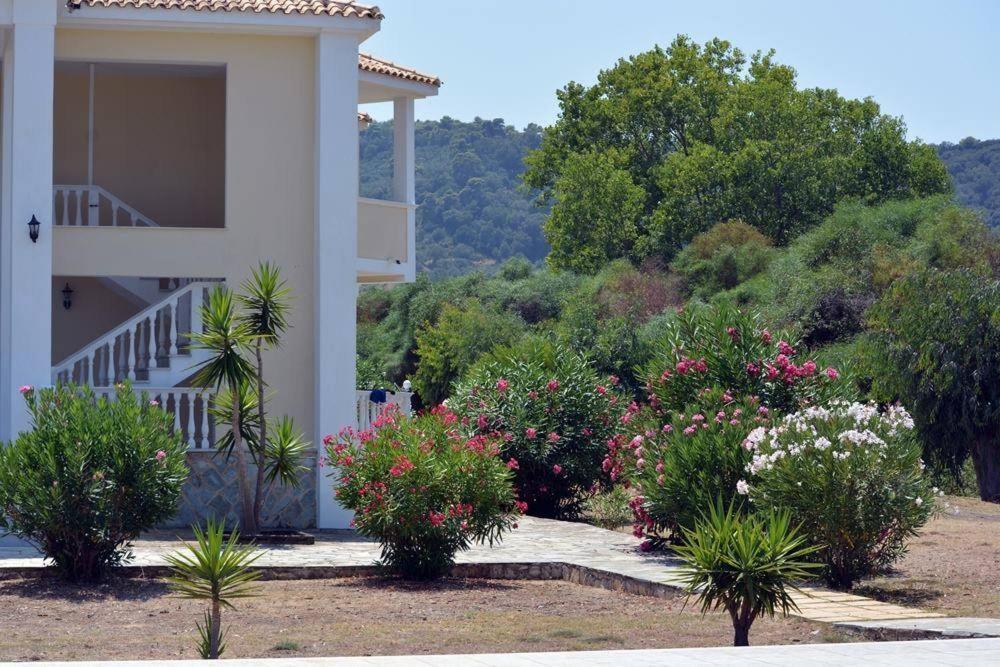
x=370 y=63
x=347 y=8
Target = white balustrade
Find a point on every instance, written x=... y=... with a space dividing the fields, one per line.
x=84 y=206
x=190 y=408
x=139 y=342
x=367 y=411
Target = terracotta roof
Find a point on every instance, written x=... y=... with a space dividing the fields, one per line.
x=347 y=8
x=370 y=63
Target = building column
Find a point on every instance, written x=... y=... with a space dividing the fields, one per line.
x=26 y=191
x=404 y=171
x=336 y=253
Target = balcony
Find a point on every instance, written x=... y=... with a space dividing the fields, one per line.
x=385 y=240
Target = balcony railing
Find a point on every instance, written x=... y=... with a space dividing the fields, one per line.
x=384 y=229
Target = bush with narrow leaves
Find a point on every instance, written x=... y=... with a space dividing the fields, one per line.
x=90 y=476
x=423 y=488
x=555 y=415
x=851 y=474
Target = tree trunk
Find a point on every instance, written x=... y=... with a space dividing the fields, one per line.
x=247 y=524
x=258 y=501
x=986 y=460
x=741 y=636
x=215 y=631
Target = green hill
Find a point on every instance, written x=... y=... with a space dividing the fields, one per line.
x=473 y=214
x=975 y=168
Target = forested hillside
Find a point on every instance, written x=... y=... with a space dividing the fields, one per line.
x=472 y=214
x=975 y=168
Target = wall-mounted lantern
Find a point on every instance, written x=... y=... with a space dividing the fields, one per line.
x=67 y=293
x=33 y=226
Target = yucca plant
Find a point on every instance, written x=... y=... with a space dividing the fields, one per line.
x=216 y=569
x=746 y=565
x=266 y=301
x=286 y=449
x=228 y=338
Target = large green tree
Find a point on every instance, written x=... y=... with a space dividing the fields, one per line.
x=706 y=134
x=936 y=347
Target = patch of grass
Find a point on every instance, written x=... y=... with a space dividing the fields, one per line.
x=565 y=633
x=287 y=645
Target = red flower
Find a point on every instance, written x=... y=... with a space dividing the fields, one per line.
x=832 y=373
x=513 y=464
x=553 y=437
x=530 y=433
x=552 y=385
x=502 y=385
x=557 y=469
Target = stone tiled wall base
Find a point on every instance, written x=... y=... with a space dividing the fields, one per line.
x=211 y=491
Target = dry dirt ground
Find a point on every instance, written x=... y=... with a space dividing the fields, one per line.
x=133 y=618
x=953 y=567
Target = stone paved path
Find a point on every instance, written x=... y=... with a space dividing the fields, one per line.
x=542 y=548
x=956 y=652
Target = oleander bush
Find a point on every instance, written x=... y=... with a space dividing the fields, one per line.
x=685 y=465
x=555 y=416
x=424 y=488
x=851 y=475
x=722 y=347
x=90 y=476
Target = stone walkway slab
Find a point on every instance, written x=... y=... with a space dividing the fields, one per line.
x=538 y=549
x=957 y=653
x=930 y=628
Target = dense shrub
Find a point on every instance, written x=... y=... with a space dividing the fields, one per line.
x=90 y=476
x=720 y=347
x=936 y=345
x=556 y=415
x=610 y=509
x=851 y=475
x=685 y=465
x=447 y=348
x=723 y=257
x=423 y=489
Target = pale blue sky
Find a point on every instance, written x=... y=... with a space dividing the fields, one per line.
x=935 y=62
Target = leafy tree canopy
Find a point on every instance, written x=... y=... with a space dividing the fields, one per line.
x=675 y=140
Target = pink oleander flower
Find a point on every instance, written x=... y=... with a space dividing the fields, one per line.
x=436 y=518
x=753 y=369
x=24 y=389
x=697 y=417
x=521 y=506
x=832 y=373
x=640 y=463
x=601 y=389
x=154 y=402
x=160 y=455
x=552 y=385
x=661 y=479
x=557 y=469
x=733 y=333
x=646 y=546
x=328 y=440
x=786 y=349
x=659 y=467
x=667 y=428
x=809 y=367
x=533 y=395
x=690 y=430
x=765 y=335
x=553 y=437
x=613 y=379
x=502 y=385
x=742 y=487
x=513 y=465
x=481 y=421
x=530 y=433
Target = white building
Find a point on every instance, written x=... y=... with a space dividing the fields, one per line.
x=164 y=145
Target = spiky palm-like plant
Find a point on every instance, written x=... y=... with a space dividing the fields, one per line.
x=746 y=565
x=266 y=301
x=285 y=450
x=215 y=569
x=227 y=337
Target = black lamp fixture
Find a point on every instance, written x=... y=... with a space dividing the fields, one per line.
x=33 y=226
x=67 y=293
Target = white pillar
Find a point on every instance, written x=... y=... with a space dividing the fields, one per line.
x=336 y=252
x=26 y=190
x=404 y=172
